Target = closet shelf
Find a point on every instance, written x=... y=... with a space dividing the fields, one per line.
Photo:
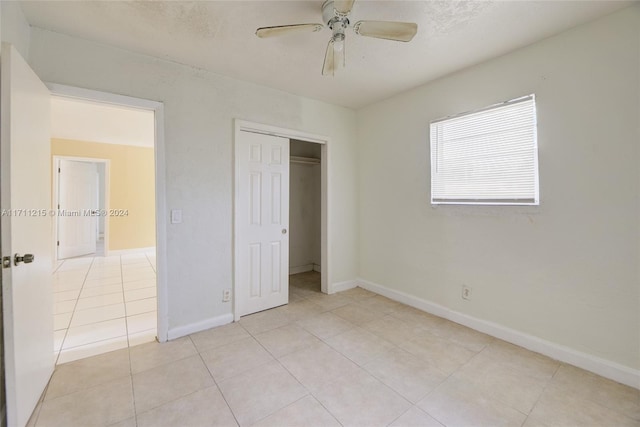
x=305 y=160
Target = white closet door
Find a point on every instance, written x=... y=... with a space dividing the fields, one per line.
x=262 y=280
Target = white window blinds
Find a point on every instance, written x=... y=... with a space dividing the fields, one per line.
x=486 y=157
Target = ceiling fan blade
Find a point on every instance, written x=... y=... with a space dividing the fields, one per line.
x=399 y=31
x=343 y=6
x=333 y=59
x=282 y=30
x=329 y=66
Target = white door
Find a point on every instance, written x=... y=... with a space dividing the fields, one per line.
x=77 y=199
x=262 y=280
x=25 y=200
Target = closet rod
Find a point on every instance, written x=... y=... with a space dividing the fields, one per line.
x=305 y=160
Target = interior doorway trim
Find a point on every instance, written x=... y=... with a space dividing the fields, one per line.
x=325 y=223
x=56 y=195
x=160 y=170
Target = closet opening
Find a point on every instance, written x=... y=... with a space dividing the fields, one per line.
x=305 y=219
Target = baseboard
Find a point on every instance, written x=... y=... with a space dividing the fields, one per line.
x=191 y=328
x=343 y=286
x=300 y=269
x=602 y=367
x=131 y=251
x=304 y=268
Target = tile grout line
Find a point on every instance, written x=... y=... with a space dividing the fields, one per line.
x=398 y=346
x=296 y=401
x=310 y=392
x=443 y=381
x=133 y=390
x=124 y=303
x=251 y=335
x=155 y=286
x=292 y=376
x=544 y=389
x=413 y=405
x=64 y=339
x=96 y=342
x=121 y=292
x=549 y=385
x=152 y=266
x=590 y=400
x=214 y=381
x=55 y=270
x=501 y=401
x=100 y=306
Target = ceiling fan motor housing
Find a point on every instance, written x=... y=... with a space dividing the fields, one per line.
x=335 y=20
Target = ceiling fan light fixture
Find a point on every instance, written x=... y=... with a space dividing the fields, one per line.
x=338 y=45
x=338 y=36
x=335 y=14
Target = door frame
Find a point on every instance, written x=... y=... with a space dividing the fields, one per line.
x=160 y=182
x=56 y=195
x=325 y=223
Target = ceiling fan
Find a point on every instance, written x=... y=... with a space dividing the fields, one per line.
x=335 y=14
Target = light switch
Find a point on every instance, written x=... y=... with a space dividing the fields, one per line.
x=176 y=216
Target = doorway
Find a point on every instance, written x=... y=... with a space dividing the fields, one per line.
x=106 y=227
x=262 y=160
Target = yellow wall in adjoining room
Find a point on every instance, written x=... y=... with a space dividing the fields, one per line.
x=131 y=187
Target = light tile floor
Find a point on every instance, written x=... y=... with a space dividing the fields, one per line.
x=103 y=304
x=353 y=358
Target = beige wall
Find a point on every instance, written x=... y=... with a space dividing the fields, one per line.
x=132 y=187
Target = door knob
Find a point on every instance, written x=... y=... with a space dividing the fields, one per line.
x=27 y=258
x=284 y=231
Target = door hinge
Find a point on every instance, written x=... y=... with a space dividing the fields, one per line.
x=58 y=206
x=58 y=170
x=58 y=242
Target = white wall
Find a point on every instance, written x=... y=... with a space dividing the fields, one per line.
x=566 y=271
x=304 y=208
x=199 y=110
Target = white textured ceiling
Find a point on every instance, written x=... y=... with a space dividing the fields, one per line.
x=89 y=121
x=219 y=36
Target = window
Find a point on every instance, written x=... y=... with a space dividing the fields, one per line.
x=488 y=156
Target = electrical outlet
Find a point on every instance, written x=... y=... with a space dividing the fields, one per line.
x=466 y=292
x=226 y=295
